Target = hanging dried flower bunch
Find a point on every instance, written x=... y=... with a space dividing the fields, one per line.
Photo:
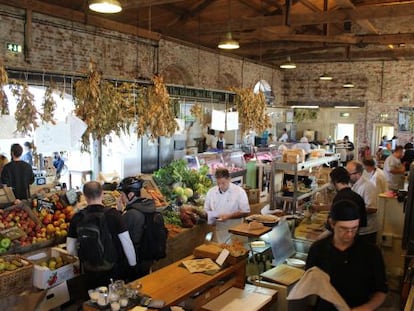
x=155 y=113
x=197 y=112
x=97 y=104
x=48 y=105
x=4 y=107
x=26 y=112
x=252 y=110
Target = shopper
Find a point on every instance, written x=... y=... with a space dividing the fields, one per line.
x=285 y=137
x=58 y=163
x=394 y=170
x=349 y=146
x=18 y=174
x=3 y=161
x=120 y=239
x=375 y=175
x=408 y=156
x=368 y=192
x=270 y=139
x=210 y=139
x=28 y=153
x=225 y=205
x=134 y=217
x=356 y=268
x=303 y=144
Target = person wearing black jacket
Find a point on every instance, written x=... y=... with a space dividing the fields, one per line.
x=18 y=174
x=408 y=156
x=134 y=217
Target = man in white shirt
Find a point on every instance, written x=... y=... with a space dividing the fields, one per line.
x=284 y=138
x=368 y=192
x=394 y=170
x=375 y=175
x=226 y=204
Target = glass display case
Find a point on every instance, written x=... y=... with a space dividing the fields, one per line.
x=233 y=160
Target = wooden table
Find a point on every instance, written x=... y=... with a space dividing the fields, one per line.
x=173 y=283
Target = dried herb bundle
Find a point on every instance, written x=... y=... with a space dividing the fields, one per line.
x=197 y=112
x=97 y=104
x=26 y=112
x=48 y=105
x=252 y=110
x=4 y=107
x=155 y=113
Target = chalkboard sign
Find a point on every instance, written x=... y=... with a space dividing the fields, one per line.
x=47 y=205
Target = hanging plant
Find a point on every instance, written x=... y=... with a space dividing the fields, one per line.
x=252 y=110
x=97 y=103
x=155 y=112
x=48 y=105
x=4 y=107
x=26 y=112
x=300 y=115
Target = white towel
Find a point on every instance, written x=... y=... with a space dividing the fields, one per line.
x=317 y=282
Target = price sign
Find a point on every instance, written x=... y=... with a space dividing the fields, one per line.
x=47 y=205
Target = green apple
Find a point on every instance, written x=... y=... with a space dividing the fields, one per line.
x=5 y=243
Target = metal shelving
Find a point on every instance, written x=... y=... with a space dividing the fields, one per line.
x=281 y=168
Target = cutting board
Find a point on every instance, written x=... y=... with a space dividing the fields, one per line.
x=244 y=230
x=283 y=274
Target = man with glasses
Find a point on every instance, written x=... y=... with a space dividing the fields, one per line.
x=362 y=186
x=225 y=204
x=356 y=268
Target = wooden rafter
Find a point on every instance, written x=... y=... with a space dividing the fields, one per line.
x=336 y=16
x=195 y=10
x=364 y=23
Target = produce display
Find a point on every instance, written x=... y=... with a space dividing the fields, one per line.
x=180 y=184
x=11 y=264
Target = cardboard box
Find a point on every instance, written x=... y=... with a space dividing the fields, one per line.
x=43 y=277
x=55 y=297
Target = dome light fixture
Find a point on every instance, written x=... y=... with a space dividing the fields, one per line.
x=228 y=43
x=348 y=85
x=105 y=6
x=288 y=65
x=325 y=77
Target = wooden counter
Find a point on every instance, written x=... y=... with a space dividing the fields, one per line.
x=174 y=283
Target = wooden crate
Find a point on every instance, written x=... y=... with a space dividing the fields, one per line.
x=253 y=195
x=6 y=196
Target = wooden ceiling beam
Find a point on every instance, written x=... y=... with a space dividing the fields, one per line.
x=364 y=23
x=333 y=16
x=138 y=4
x=81 y=17
x=194 y=10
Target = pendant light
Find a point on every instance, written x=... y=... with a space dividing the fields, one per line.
x=288 y=65
x=348 y=85
x=228 y=43
x=105 y=6
x=325 y=77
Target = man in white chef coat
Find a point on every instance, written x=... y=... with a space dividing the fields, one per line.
x=226 y=204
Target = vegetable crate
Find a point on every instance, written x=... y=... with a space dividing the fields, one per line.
x=150 y=190
x=18 y=280
x=45 y=277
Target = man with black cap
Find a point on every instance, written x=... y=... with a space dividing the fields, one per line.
x=356 y=268
x=134 y=216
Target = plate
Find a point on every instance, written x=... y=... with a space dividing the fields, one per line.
x=298 y=263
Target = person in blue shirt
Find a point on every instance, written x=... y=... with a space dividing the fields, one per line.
x=58 y=163
x=28 y=154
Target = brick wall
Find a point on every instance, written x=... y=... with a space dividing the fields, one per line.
x=62 y=46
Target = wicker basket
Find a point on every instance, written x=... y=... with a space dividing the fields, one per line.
x=16 y=281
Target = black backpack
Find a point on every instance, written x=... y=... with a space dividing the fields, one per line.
x=96 y=249
x=153 y=243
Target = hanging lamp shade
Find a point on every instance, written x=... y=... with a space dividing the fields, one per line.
x=228 y=43
x=325 y=77
x=288 y=65
x=105 y=6
x=348 y=85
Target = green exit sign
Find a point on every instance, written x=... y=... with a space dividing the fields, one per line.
x=14 y=47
